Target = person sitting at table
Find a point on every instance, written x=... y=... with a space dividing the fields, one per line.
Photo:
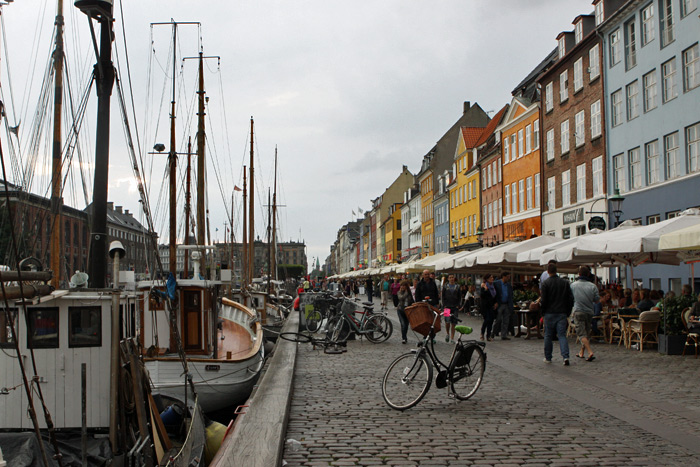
x=694 y=317
x=646 y=303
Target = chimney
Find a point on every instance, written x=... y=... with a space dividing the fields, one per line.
x=110 y=205
x=126 y=211
x=467 y=105
x=119 y=209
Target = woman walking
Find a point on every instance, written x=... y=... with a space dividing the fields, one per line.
x=488 y=306
x=405 y=298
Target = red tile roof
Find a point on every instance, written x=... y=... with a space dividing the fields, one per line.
x=488 y=131
x=471 y=136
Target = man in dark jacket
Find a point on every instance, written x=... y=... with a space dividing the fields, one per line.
x=369 y=288
x=557 y=302
x=504 y=298
x=427 y=290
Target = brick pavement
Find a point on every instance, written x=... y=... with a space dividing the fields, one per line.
x=626 y=407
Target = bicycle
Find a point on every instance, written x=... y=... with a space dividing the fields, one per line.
x=408 y=378
x=323 y=305
x=375 y=326
x=324 y=343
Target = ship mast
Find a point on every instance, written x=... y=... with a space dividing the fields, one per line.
x=251 y=212
x=244 y=249
x=188 y=206
x=201 y=238
x=274 y=222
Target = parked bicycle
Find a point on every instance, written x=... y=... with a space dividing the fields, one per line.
x=328 y=345
x=375 y=326
x=324 y=305
x=408 y=378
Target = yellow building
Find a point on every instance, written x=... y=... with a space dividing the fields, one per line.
x=426 y=202
x=392 y=235
x=464 y=191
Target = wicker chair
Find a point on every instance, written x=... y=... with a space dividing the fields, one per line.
x=644 y=329
x=691 y=337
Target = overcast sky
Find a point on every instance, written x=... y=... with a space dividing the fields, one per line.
x=347 y=91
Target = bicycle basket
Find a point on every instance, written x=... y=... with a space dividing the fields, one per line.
x=420 y=317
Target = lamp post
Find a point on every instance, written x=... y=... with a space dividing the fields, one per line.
x=616 y=204
x=480 y=236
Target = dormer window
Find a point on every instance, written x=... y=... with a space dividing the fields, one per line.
x=562 y=46
x=578 y=31
x=599 y=15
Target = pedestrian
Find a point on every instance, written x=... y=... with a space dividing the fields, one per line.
x=413 y=288
x=488 y=306
x=450 y=303
x=427 y=290
x=586 y=295
x=385 y=288
x=544 y=276
x=394 y=290
x=368 y=286
x=355 y=289
x=405 y=299
x=556 y=304
x=470 y=298
x=504 y=298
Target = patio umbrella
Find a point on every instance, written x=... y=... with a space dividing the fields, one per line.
x=508 y=252
x=682 y=239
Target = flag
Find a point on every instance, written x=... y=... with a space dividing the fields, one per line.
x=353 y=213
x=217 y=229
x=359 y=211
x=235 y=188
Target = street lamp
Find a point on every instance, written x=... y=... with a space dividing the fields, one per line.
x=616 y=204
x=480 y=236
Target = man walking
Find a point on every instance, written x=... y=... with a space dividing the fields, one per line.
x=427 y=290
x=504 y=298
x=369 y=289
x=557 y=301
x=585 y=297
x=385 y=292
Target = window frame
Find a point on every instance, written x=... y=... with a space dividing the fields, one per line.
x=650 y=97
x=634 y=161
x=566 y=188
x=694 y=65
x=54 y=343
x=580 y=129
x=652 y=162
x=564 y=86
x=669 y=84
x=596 y=120
x=581 y=183
x=564 y=143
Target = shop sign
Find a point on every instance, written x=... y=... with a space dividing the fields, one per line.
x=596 y=222
x=570 y=217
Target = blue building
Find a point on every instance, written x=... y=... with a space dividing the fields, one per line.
x=652 y=91
x=441 y=214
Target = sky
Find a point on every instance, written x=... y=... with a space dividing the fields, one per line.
x=348 y=93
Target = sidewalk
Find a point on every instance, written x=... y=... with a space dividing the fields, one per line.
x=626 y=407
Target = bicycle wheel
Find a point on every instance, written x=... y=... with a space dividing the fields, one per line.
x=313 y=320
x=295 y=337
x=378 y=328
x=467 y=371
x=407 y=381
x=338 y=330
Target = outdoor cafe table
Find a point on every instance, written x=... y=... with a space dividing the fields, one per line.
x=624 y=317
x=529 y=319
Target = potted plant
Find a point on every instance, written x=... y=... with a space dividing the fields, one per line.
x=672 y=337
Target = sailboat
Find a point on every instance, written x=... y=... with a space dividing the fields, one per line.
x=219 y=339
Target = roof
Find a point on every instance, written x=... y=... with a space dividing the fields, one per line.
x=531 y=78
x=471 y=135
x=491 y=127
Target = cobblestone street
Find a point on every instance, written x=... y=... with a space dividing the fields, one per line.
x=627 y=407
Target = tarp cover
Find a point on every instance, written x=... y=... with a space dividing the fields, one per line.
x=22 y=449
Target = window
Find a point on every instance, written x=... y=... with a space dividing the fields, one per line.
x=85 y=326
x=562 y=46
x=483 y=178
x=633 y=100
x=506 y=150
x=599 y=15
x=536 y=134
x=630 y=45
x=666 y=13
x=580 y=183
x=566 y=188
x=635 y=163
x=580 y=230
x=485 y=216
x=596 y=122
x=564 y=86
x=488 y=178
x=688 y=6
x=691 y=68
x=649 y=91
x=648 y=31
x=43 y=328
x=6 y=339
x=651 y=153
x=692 y=137
x=594 y=62
x=521 y=144
x=580 y=130
x=528 y=139
x=500 y=211
x=619 y=178
x=513 y=146
x=653 y=219
x=616 y=103
x=498 y=165
x=551 y=193
x=514 y=194
x=491 y=222
x=564 y=137
x=549 y=97
x=550 y=145
x=672 y=214
x=507 y=196
x=578 y=74
x=529 y=192
x=566 y=233
x=578 y=32
x=521 y=189
x=597 y=166
x=537 y=190
x=614 y=47
x=671 y=156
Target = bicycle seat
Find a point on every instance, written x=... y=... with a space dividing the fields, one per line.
x=368 y=305
x=463 y=329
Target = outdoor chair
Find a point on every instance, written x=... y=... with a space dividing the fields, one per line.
x=644 y=329
x=691 y=337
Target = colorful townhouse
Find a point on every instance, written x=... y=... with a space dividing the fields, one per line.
x=464 y=200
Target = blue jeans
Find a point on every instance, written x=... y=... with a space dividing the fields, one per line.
x=403 y=319
x=555 y=322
